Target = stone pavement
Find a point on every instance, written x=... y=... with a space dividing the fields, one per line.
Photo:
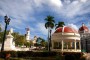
x=87 y=56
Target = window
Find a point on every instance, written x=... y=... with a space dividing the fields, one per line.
x=57 y=45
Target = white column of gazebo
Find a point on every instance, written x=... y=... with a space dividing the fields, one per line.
x=64 y=40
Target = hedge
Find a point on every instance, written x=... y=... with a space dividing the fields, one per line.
x=25 y=54
x=72 y=55
x=28 y=54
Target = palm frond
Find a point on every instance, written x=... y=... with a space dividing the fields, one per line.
x=60 y=24
x=49 y=21
x=56 y=24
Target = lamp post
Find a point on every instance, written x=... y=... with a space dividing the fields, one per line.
x=7 y=20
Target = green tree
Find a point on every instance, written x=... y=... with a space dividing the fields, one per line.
x=49 y=25
x=43 y=43
x=40 y=41
x=60 y=24
x=1 y=36
x=20 y=41
x=31 y=43
x=15 y=35
x=0 y=28
x=28 y=44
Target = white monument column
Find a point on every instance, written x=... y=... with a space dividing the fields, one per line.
x=71 y=44
x=11 y=30
x=79 y=45
x=62 y=45
x=75 y=44
x=67 y=46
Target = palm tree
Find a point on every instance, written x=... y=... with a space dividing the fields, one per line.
x=49 y=25
x=0 y=28
x=60 y=24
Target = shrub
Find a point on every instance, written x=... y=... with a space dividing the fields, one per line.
x=24 y=53
x=72 y=55
x=82 y=58
x=57 y=55
x=43 y=54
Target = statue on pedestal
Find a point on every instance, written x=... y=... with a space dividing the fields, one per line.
x=9 y=44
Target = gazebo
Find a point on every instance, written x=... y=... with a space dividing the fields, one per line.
x=66 y=39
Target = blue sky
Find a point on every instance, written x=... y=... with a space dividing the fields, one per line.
x=31 y=13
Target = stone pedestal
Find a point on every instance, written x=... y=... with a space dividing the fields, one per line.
x=8 y=44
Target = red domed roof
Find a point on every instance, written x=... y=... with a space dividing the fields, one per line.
x=65 y=29
x=84 y=28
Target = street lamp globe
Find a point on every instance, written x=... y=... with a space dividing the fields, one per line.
x=7 y=20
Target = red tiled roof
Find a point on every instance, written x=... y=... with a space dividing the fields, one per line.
x=65 y=29
x=84 y=28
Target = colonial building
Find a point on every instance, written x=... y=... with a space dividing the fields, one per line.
x=66 y=39
x=27 y=35
x=85 y=38
x=34 y=40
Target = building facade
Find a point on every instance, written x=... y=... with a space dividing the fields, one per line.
x=85 y=38
x=27 y=35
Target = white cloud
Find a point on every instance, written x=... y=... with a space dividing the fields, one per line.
x=74 y=8
x=18 y=24
x=71 y=9
x=23 y=11
x=83 y=0
x=41 y=28
x=56 y=3
x=73 y=26
x=53 y=30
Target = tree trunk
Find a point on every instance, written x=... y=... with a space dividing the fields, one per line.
x=48 y=40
